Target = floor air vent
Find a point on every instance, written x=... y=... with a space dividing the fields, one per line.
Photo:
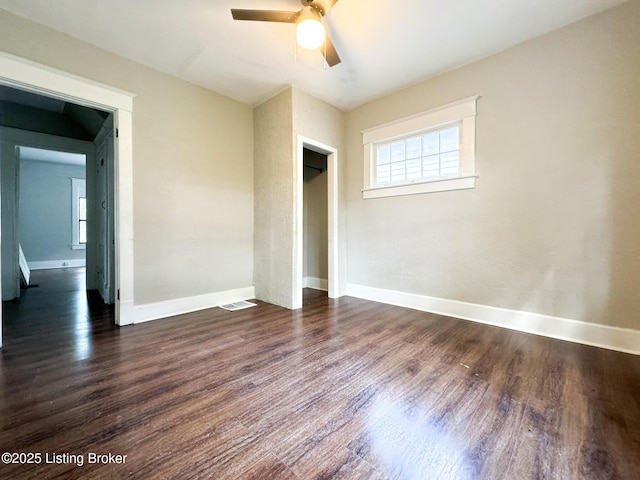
x=232 y=307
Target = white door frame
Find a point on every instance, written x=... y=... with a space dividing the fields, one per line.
x=41 y=79
x=332 y=217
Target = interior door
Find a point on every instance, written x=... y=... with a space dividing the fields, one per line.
x=104 y=219
x=110 y=256
x=105 y=207
x=101 y=221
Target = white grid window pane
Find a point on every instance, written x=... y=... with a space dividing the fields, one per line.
x=82 y=218
x=449 y=139
x=449 y=163
x=414 y=169
x=398 y=172
x=423 y=156
x=414 y=148
x=397 y=151
x=383 y=174
x=384 y=154
x=431 y=143
x=431 y=166
x=83 y=231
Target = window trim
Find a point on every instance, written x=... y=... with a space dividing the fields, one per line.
x=463 y=111
x=78 y=189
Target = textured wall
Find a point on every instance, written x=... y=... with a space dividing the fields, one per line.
x=552 y=226
x=192 y=168
x=274 y=207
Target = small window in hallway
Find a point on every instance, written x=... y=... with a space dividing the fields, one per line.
x=82 y=220
x=78 y=213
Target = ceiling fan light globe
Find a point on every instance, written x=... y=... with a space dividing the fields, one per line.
x=310 y=33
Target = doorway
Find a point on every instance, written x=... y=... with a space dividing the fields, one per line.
x=64 y=208
x=31 y=77
x=57 y=194
x=320 y=151
x=315 y=221
x=52 y=214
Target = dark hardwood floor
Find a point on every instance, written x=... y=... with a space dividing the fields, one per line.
x=343 y=388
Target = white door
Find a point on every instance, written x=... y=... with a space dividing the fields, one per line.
x=104 y=220
x=101 y=220
x=110 y=257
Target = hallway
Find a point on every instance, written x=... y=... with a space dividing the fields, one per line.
x=55 y=314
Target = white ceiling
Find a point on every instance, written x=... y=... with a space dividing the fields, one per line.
x=41 y=155
x=384 y=45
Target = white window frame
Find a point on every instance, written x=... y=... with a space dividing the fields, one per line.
x=78 y=190
x=463 y=111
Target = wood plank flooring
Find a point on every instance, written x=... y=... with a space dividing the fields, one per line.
x=342 y=389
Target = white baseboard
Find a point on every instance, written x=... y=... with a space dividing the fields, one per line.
x=178 y=306
x=315 y=283
x=47 y=264
x=614 y=338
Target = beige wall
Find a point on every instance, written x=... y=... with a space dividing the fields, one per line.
x=274 y=208
x=552 y=226
x=317 y=120
x=192 y=166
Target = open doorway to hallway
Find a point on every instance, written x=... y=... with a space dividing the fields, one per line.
x=36 y=78
x=52 y=208
x=57 y=191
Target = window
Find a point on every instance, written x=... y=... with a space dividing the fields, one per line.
x=82 y=220
x=430 y=155
x=78 y=214
x=429 y=152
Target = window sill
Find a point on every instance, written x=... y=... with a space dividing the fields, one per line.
x=79 y=246
x=431 y=186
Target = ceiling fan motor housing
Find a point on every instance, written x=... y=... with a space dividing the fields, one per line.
x=315 y=5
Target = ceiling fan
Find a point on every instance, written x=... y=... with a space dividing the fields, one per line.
x=310 y=30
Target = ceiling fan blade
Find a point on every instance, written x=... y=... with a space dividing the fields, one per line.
x=330 y=53
x=264 y=15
